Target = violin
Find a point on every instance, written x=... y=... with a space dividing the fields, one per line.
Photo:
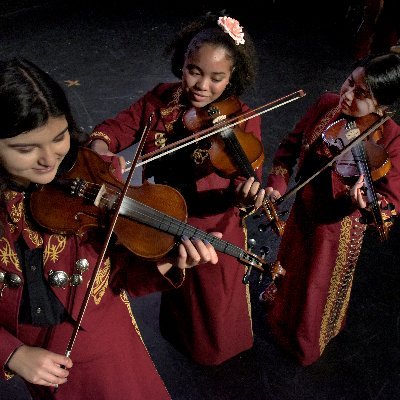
x=367 y=158
x=371 y=125
x=151 y=216
x=341 y=132
x=232 y=151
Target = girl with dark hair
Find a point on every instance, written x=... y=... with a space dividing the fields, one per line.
x=209 y=317
x=324 y=231
x=44 y=276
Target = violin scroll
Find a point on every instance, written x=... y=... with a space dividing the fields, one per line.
x=268 y=295
x=271 y=214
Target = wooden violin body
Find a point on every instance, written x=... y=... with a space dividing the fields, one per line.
x=151 y=217
x=366 y=158
x=232 y=151
x=340 y=133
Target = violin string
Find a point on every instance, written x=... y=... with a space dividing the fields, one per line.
x=155 y=218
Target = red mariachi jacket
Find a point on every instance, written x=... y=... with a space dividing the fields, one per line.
x=119 y=273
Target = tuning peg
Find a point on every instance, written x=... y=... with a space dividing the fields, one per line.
x=264 y=250
x=246 y=278
x=251 y=243
x=262 y=227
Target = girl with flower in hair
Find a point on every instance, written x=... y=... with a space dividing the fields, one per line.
x=209 y=317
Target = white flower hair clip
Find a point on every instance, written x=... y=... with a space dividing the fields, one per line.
x=232 y=27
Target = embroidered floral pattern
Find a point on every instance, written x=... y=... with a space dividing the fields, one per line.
x=7 y=255
x=16 y=212
x=232 y=27
x=125 y=299
x=200 y=155
x=278 y=170
x=99 y=135
x=101 y=283
x=54 y=247
x=34 y=237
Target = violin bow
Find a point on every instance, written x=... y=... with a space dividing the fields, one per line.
x=205 y=133
x=107 y=240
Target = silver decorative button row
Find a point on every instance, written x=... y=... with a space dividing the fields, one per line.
x=61 y=279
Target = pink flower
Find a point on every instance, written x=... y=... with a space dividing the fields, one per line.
x=232 y=27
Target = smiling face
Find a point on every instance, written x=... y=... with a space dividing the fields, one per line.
x=35 y=156
x=206 y=73
x=356 y=99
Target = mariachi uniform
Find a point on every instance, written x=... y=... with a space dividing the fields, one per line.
x=109 y=356
x=209 y=317
x=323 y=234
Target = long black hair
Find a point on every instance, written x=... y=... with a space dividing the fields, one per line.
x=382 y=75
x=28 y=98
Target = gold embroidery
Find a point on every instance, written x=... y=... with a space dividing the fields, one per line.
x=12 y=227
x=101 y=283
x=169 y=127
x=165 y=111
x=341 y=283
x=160 y=139
x=278 y=170
x=200 y=155
x=99 y=135
x=52 y=251
x=16 y=212
x=321 y=126
x=7 y=255
x=9 y=195
x=173 y=104
x=125 y=299
x=34 y=237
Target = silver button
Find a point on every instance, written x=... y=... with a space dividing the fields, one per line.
x=82 y=265
x=12 y=280
x=33 y=267
x=38 y=310
x=59 y=279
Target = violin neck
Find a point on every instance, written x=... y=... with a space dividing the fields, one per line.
x=156 y=219
x=237 y=154
x=361 y=160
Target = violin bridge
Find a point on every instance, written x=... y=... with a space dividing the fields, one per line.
x=219 y=119
x=100 y=195
x=352 y=131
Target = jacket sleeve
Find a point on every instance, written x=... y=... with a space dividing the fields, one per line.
x=124 y=130
x=141 y=277
x=9 y=343
x=389 y=185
